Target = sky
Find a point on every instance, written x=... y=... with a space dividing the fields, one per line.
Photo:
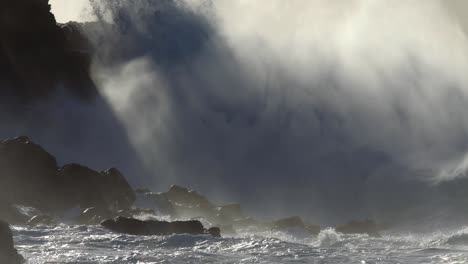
x=66 y=10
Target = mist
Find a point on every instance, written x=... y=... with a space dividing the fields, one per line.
x=329 y=109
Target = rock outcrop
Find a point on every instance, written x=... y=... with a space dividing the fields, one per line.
x=152 y=227
x=37 y=55
x=89 y=188
x=30 y=176
x=8 y=253
x=368 y=227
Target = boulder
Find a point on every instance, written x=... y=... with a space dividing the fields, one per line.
x=29 y=175
x=8 y=253
x=155 y=201
x=359 y=227
x=88 y=188
x=153 y=227
x=214 y=231
x=182 y=196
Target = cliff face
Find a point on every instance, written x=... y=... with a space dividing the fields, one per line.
x=37 y=55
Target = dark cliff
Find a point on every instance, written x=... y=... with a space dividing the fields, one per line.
x=39 y=56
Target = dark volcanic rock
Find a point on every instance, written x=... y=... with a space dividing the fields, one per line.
x=37 y=55
x=359 y=227
x=153 y=227
x=8 y=253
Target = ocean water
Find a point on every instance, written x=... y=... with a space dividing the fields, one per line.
x=93 y=244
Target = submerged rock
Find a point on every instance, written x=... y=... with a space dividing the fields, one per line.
x=8 y=253
x=153 y=227
x=359 y=227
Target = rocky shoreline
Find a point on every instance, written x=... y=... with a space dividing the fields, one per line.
x=35 y=190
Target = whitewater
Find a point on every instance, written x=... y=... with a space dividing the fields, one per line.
x=93 y=244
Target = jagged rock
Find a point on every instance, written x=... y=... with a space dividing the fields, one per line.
x=29 y=174
x=42 y=220
x=37 y=55
x=182 y=196
x=152 y=227
x=8 y=253
x=230 y=212
x=214 y=231
x=359 y=227
x=286 y=223
x=89 y=188
x=190 y=204
x=157 y=202
x=30 y=177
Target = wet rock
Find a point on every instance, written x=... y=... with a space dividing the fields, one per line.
x=29 y=175
x=214 y=231
x=152 y=227
x=88 y=188
x=44 y=220
x=157 y=202
x=359 y=227
x=182 y=196
x=8 y=253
